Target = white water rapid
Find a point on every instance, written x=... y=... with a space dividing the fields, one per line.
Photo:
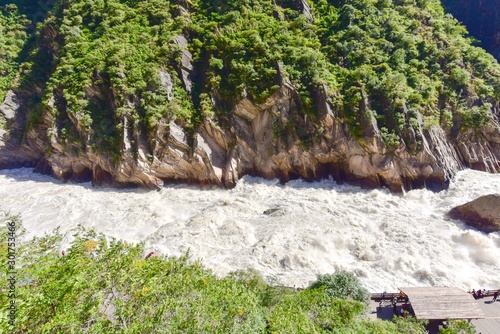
x=291 y=232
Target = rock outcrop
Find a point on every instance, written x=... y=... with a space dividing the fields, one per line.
x=482 y=213
x=258 y=139
x=301 y=6
x=17 y=149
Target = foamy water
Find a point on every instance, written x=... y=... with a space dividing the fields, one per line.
x=291 y=232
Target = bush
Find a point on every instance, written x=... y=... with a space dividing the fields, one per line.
x=343 y=285
x=311 y=311
x=458 y=327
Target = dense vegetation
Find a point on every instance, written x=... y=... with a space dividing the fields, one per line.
x=12 y=38
x=102 y=285
x=96 y=65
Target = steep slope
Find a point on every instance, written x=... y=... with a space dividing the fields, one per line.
x=482 y=19
x=376 y=93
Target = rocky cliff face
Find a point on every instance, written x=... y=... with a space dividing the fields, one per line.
x=258 y=139
x=482 y=19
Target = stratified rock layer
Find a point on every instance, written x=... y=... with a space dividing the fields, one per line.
x=257 y=139
x=482 y=213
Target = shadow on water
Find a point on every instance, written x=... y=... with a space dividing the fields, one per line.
x=24 y=174
x=27 y=175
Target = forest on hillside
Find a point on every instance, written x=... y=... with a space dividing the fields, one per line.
x=395 y=60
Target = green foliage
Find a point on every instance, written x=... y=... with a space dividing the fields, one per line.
x=105 y=60
x=99 y=63
x=458 y=327
x=105 y=286
x=246 y=44
x=390 y=138
x=3 y=123
x=311 y=311
x=408 y=58
x=12 y=39
x=269 y=295
x=409 y=325
x=127 y=45
x=344 y=285
x=475 y=116
x=102 y=285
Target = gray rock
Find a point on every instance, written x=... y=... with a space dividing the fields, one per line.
x=167 y=84
x=306 y=10
x=299 y=5
x=10 y=106
x=186 y=62
x=482 y=213
x=273 y=139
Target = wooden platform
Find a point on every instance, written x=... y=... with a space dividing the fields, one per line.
x=491 y=324
x=381 y=308
x=442 y=303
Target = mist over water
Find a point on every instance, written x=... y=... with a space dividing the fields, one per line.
x=291 y=232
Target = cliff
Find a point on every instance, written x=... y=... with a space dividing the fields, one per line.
x=482 y=19
x=143 y=93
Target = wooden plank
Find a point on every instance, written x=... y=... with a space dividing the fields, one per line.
x=446 y=300
x=450 y=305
x=442 y=303
x=440 y=313
x=491 y=324
x=434 y=291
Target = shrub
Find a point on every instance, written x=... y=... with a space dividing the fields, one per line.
x=344 y=285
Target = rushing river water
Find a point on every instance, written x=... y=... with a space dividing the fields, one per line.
x=291 y=232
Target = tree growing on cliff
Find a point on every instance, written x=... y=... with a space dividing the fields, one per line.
x=403 y=58
x=12 y=39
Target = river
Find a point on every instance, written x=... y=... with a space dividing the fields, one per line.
x=289 y=233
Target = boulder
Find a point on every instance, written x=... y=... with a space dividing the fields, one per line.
x=482 y=213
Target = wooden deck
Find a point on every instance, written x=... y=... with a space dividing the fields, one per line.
x=384 y=296
x=382 y=309
x=442 y=303
x=491 y=324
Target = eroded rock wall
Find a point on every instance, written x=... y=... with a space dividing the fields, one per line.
x=258 y=139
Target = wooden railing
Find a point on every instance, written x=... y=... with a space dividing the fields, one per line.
x=376 y=296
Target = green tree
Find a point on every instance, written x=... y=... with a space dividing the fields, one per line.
x=343 y=285
x=458 y=327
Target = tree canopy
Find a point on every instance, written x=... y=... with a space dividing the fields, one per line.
x=401 y=62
